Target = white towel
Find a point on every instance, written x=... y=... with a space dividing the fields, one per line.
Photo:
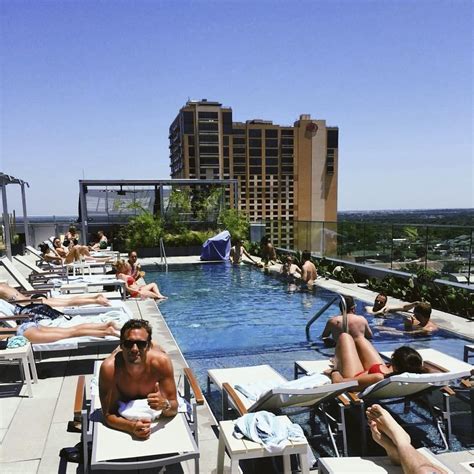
x=138 y=410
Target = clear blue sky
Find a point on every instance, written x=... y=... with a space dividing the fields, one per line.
x=91 y=87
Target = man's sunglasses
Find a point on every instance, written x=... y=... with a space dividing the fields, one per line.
x=128 y=344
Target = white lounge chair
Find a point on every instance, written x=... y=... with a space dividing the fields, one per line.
x=397 y=388
x=279 y=399
x=173 y=440
x=71 y=284
x=373 y=465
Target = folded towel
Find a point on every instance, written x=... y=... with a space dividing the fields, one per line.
x=138 y=410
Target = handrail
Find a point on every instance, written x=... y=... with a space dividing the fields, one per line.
x=323 y=309
x=318 y=314
x=163 y=254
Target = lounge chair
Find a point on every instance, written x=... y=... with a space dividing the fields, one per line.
x=373 y=465
x=71 y=284
x=279 y=399
x=402 y=388
x=172 y=441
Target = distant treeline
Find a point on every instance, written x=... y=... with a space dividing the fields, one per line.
x=454 y=217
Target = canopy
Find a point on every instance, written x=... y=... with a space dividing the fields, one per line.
x=217 y=247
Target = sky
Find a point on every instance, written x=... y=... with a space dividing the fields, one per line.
x=89 y=88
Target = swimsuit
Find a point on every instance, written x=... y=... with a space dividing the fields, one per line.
x=130 y=282
x=373 y=369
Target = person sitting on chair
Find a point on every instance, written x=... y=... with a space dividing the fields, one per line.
x=135 y=269
x=149 y=290
x=102 y=243
x=71 y=238
x=136 y=371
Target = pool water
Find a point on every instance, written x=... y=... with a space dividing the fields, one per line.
x=233 y=316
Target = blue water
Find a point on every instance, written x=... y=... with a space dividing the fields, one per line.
x=234 y=316
x=219 y=310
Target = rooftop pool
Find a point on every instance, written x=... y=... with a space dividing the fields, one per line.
x=223 y=316
x=234 y=316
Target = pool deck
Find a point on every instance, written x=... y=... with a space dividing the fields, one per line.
x=44 y=417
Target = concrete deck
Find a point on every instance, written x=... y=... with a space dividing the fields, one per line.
x=33 y=430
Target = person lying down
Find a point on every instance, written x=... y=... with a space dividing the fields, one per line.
x=41 y=325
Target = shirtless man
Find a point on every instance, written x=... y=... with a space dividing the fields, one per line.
x=137 y=371
x=308 y=273
x=290 y=270
x=237 y=253
x=357 y=325
x=381 y=308
x=8 y=293
x=420 y=322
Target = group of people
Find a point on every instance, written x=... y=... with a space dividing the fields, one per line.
x=139 y=369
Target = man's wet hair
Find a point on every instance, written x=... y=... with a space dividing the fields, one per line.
x=350 y=303
x=407 y=359
x=306 y=255
x=422 y=309
x=135 y=324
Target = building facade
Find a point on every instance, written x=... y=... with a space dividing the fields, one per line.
x=287 y=175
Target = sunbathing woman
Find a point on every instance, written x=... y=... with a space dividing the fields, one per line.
x=150 y=290
x=70 y=255
x=357 y=359
x=38 y=334
x=10 y=294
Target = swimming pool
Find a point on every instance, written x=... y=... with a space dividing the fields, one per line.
x=223 y=316
x=233 y=316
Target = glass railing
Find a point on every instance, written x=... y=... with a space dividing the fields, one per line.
x=446 y=250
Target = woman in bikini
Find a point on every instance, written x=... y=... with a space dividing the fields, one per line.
x=357 y=359
x=150 y=290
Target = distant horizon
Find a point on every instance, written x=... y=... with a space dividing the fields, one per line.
x=90 y=89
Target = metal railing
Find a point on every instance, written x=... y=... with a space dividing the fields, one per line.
x=163 y=254
x=323 y=310
x=445 y=249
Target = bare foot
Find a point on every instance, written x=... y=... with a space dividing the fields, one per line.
x=384 y=441
x=387 y=425
x=162 y=297
x=102 y=300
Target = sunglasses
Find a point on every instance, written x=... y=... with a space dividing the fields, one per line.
x=128 y=344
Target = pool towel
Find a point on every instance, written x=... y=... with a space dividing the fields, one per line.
x=138 y=410
x=266 y=429
x=16 y=341
x=254 y=391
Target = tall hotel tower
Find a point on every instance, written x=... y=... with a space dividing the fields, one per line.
x=286 y=174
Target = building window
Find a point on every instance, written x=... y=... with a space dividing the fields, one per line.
x=330 y=164
x=255 y=142
x=255 y=152
x=239 y=141
x=255 y=132
x=271 y=152
x=271 y=133
x=207 y=115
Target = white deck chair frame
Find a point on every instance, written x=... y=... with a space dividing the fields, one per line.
x=403 y=388
x=280 y=400
x=187 y=426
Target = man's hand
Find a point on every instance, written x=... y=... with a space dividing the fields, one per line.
x=156 y=401
x=141 y=429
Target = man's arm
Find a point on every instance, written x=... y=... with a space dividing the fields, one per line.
x=109 y=401
x=406 y=307
x=367 y=331
x=165 y=396
x=327 y=329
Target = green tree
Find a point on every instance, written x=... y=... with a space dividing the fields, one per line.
x=237 y=223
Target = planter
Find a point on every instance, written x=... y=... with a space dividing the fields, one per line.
x=170 y=251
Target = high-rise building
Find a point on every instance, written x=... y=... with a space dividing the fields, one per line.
x=285 y=174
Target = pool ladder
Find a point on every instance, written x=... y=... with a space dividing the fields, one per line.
x=163 y=254
x=345 y=327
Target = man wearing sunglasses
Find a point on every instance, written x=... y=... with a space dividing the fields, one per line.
x=138 y=370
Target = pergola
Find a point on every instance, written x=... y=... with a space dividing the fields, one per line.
x=6 y=179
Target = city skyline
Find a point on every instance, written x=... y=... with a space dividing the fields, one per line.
x=88 y=89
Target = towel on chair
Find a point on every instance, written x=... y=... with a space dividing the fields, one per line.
x=266 y=429
x=138 y=410
x=255 y=390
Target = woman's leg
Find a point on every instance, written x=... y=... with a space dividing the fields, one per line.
x=72 y=256
x=153 y=288
x=368 y=354
x=41 y=334
x=77 y=301
x=347 y=358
